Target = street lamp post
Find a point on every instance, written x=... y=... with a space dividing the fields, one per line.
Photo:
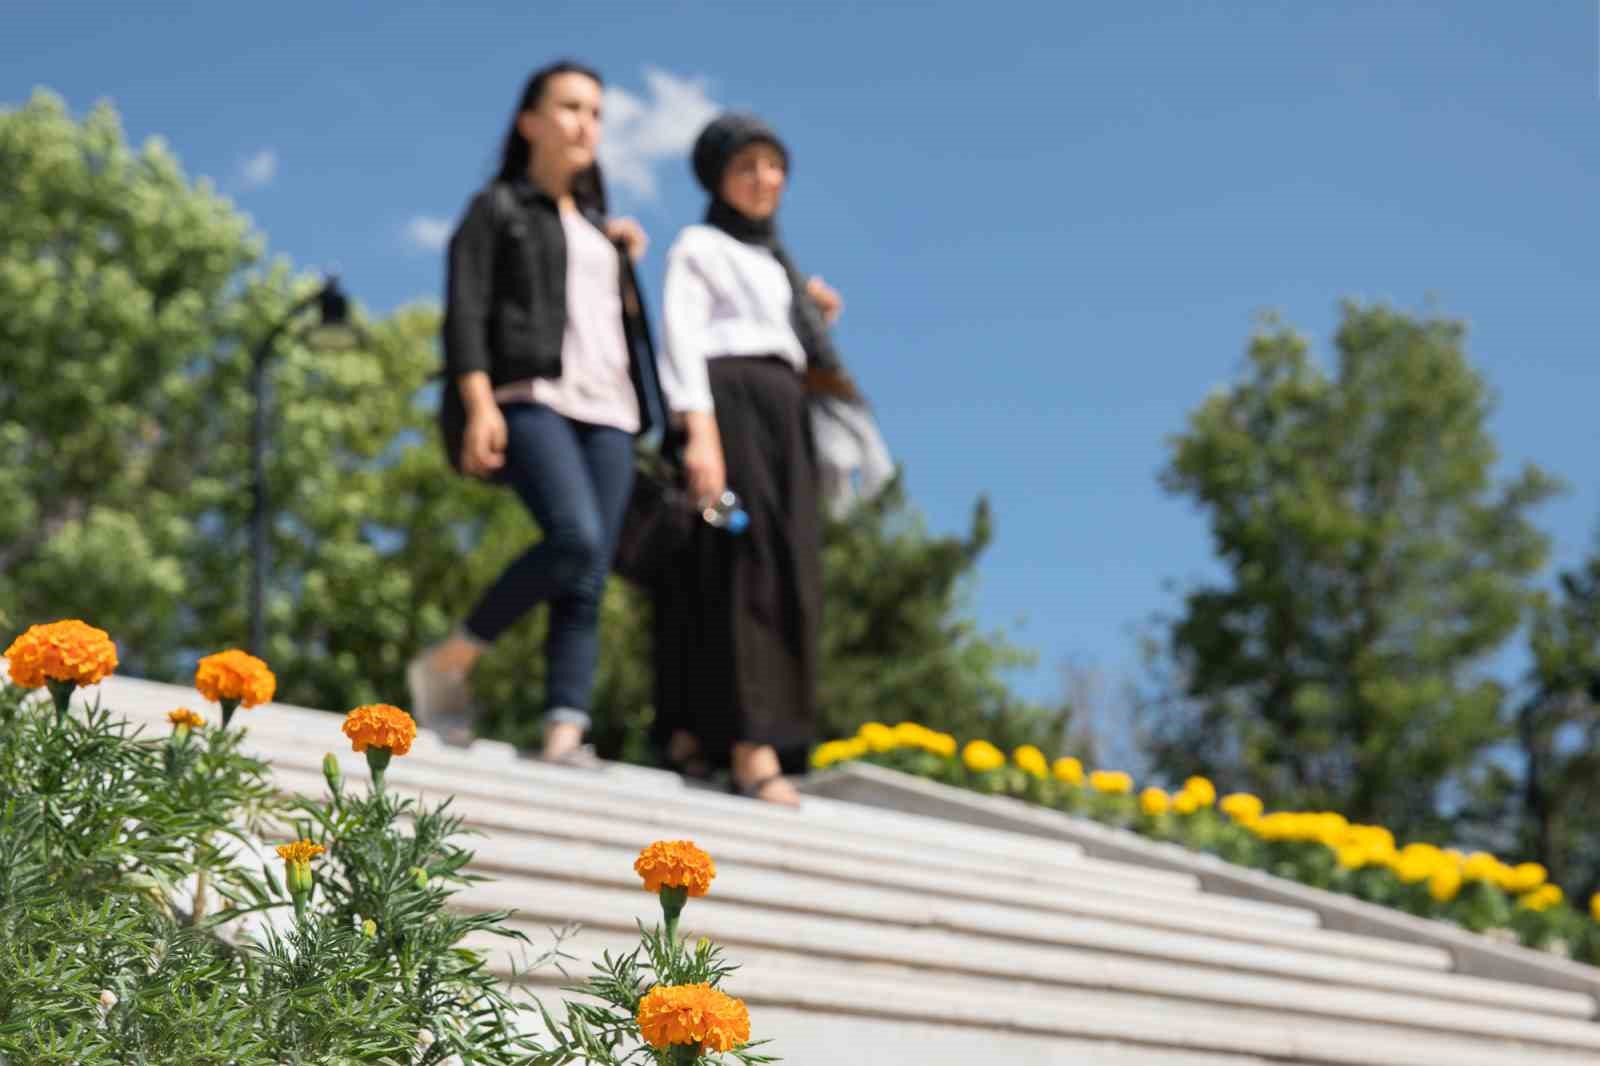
x=333 y=310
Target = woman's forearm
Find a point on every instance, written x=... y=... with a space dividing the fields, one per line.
x=476 y=391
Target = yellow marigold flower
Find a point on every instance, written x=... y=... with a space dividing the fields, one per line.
x=1594 y=906
x=981 y=756
x=1328 y=828
x=378 y=725
x=1030 y=760
x=1411 y=866
x=1153 y=801
x=915 y=735
x=70 y=651
x=1068 y=771
x=1203 y=791
x=1481 y=866
x=1525 y=877
x=832 y=752
x=300 y=851
x=1186 y=802
x=878 y=736
x=675 y=864
x=910 y=735
x=297 y=874
x=1241 y=806
x=1542 y=898
x=184 y=718
x=1376 y=839
x=694 y=1015
x=235 y=675
x=1352 y=856
x=1113 y=782
x=1445 y=882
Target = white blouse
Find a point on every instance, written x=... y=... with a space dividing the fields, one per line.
x=723 y=297
x=596 y=385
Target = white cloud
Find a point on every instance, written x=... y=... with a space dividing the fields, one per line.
x=428 y=232
x=259 y=169
x=640 y=134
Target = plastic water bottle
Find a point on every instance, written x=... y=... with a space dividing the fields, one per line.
x=726 y=512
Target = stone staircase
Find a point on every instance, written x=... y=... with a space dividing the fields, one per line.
x=868 y=935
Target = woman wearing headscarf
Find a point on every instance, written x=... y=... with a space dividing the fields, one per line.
x=746 y=343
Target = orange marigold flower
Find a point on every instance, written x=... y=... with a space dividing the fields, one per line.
x=696 y=1015
x=378 y=725
x=184 y=718
x=675 y=864
x=235 y=675
x=300 y=851
x=70 y=650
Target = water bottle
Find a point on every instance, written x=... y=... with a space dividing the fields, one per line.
x=726 y=512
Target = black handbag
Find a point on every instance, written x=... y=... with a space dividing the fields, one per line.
x=660 y=516
x=657 y=523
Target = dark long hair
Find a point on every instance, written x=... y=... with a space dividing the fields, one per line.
x=587 y=188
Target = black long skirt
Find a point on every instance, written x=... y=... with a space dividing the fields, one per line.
x=737 y=622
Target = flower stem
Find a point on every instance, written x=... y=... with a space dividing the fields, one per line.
x=200 y=881
x=61 y=692
x=228 y=707
x=378 y=762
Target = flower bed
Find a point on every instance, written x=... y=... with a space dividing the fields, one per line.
x=1477 y=891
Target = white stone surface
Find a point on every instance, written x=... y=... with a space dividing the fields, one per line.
x=882 y=937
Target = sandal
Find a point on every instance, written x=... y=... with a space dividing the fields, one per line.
x=755 y=790
x=692 y=763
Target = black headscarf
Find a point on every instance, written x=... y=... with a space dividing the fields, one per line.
x=716 y=146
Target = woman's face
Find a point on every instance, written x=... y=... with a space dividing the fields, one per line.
x=753 y=182
x=564 y=128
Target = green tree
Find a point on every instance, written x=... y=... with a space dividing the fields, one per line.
x=117 y=276
x=131 y=299
x=1557 y=730
x=1372 y=566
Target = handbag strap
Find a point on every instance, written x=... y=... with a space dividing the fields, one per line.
x=671 y=440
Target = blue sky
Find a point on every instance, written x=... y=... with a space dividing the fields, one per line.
x=1052 y=222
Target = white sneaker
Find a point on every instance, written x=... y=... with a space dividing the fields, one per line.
x=441 y=701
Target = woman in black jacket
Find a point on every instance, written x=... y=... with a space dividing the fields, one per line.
x=546 y=387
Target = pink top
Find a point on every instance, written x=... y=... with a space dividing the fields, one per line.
x=594 y=385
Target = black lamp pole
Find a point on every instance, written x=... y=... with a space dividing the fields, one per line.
x=333 y=309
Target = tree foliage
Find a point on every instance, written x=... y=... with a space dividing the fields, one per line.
x=1557 y=734
x=1372 y=565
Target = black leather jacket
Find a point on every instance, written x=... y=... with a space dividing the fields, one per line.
x=506 y=294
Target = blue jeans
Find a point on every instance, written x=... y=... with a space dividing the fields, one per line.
x=574 y=478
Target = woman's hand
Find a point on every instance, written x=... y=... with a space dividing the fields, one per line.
x=483 y=445
x=827 y=298
x=631 y=236
x=702 y=457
